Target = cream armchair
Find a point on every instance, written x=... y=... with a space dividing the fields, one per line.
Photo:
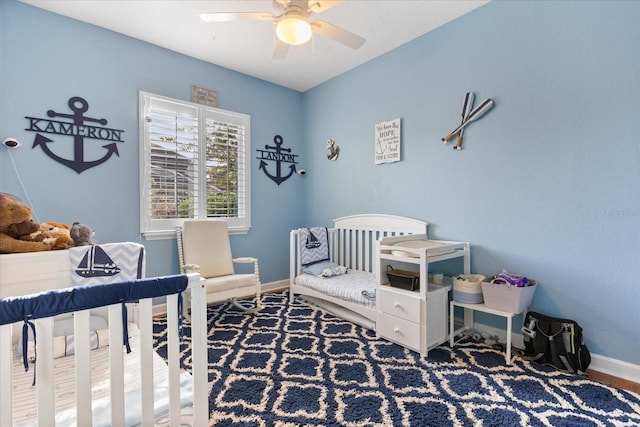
x=204 y=247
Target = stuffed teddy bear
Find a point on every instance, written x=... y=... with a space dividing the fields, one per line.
x=16 y=222
x=82 y=235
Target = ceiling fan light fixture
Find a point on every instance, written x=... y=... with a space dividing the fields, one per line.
x=293 y=30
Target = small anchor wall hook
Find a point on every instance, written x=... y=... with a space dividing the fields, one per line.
x=334 y=150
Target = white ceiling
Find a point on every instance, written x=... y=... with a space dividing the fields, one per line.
x=247 y=46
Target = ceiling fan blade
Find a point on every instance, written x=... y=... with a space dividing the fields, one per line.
x=280 y=50
x=319 y=6
x=236 y=16
x=338 y=34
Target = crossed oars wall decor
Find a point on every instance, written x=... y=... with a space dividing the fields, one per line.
x=469 y=115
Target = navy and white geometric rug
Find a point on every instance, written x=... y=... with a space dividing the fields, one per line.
x=291 y=365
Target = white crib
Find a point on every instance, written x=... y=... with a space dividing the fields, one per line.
x=352 y=245
x=36 y=272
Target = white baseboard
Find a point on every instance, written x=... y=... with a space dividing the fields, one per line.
x=603 y=364
x=280 y=285
x=615 y=367
x=159 y=310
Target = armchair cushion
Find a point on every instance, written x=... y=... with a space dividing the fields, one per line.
x=235 y=281
x=208 y=247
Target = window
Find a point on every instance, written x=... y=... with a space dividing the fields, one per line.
x=194 y=164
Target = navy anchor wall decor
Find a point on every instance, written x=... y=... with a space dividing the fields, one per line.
x=278 y=155
x=80 y=128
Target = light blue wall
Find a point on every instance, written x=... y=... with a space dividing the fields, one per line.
x=547 y=182
x=47 y=59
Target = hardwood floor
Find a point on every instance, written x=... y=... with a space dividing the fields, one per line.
x=613 y=381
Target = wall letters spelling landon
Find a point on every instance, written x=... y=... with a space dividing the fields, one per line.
x=80 y=129
x=279 y=155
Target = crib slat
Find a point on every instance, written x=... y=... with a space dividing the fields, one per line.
x=294 y=256
x=361 y=250
x=146 y=353
x=82 y=367
x=6 y=413
x=345 y=248
x=365 y=242
x=173 y=356
x=356 y=261
x=298 y=254
x=44 y=372
x=116 y=364
x=353 y=249
x=332 y=244
x=199 y=351
x=353 y=244
x=357 y=250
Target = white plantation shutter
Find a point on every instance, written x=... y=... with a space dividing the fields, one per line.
x=173 y=138
x=194 y=164
x=225 y=165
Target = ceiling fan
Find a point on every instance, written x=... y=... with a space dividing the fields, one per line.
x=293 y=26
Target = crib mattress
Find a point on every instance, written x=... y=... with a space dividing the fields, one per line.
x=24 y=395
x=347 y=287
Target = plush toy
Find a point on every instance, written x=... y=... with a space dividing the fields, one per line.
x=54 y=234
x=36 y=236
x=16 y=222
x=57 y=234
x=21 y=230
x=82 y=235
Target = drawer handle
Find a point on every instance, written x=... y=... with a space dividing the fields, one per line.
x=396 y=330
x=396 y=304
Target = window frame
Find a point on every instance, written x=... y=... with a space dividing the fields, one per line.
x=154 y=229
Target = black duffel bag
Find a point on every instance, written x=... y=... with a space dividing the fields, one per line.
x=555 y=341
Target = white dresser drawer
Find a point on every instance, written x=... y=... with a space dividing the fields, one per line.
x=398 y=330
x=399 y=304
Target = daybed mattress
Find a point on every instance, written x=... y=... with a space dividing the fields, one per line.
x=24 y=395
x=347 y=287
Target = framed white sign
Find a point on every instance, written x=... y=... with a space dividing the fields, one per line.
x=387 y=142
x=204 y=96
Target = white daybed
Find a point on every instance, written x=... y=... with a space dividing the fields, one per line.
x=351 y=245
x=108 y=380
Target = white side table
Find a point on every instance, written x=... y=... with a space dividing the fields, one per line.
x=468 y=321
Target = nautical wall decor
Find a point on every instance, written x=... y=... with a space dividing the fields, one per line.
x=281 y=157
x=387 y=142
x=334 y=150
x=468 y=114
x=82 y=130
